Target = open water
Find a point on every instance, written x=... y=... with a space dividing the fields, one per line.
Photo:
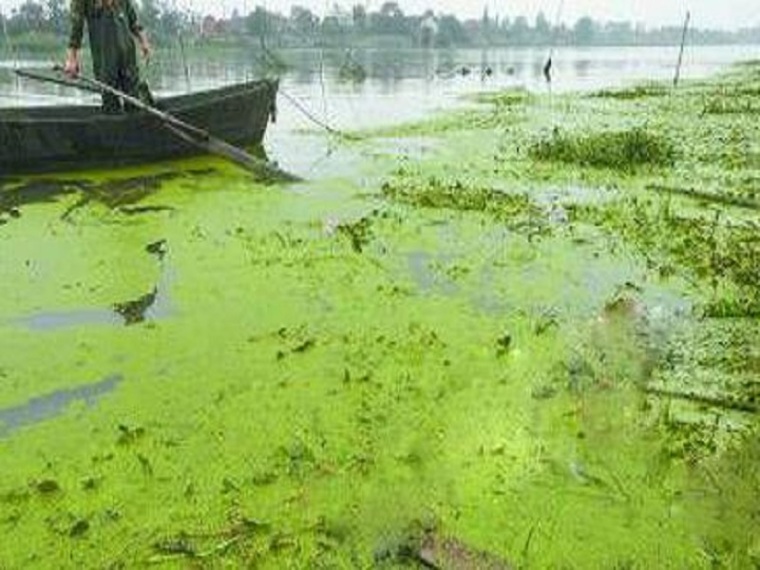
x=401 y=85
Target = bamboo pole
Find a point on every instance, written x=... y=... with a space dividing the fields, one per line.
x=680 y=53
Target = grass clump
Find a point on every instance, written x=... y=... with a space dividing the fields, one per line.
x=621 y=150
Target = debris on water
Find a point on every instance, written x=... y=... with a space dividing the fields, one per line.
x=424 y=545
x=503 y=344
x=330 y=226
x=47 y=486
x=90 y=484
x=305 y=346
x=448 y=553
x=158 y=248
x=359 y=233
x=145 y=465
x=546 y=321
x=133 y=312
x=79 y=528
x=129 y=435
x=180 y=545
x=136 y=210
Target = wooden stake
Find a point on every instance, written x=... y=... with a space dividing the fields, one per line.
x=680 y=53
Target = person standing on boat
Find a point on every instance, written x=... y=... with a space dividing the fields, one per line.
x=113 y=28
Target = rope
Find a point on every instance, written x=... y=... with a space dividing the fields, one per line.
x=311 y=117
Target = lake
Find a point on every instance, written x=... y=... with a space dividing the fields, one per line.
x=474 y=337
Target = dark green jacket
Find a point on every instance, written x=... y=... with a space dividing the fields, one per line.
x=111 y=26
x=88 y=10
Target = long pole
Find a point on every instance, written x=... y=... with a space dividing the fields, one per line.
x=198 y=137
x=680 y=53
x=547 y=69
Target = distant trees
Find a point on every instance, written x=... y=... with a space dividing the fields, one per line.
x=542 y=31
x=359 y=14
x=389 y=20
x=303 y=21
x=386 y=25
x=584 y=31
x=451 y=32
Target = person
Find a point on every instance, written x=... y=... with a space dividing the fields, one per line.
x=113 y=29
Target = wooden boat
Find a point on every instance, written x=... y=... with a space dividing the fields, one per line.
x=46 y=139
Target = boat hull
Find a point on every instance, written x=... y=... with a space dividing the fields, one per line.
x=46 y=139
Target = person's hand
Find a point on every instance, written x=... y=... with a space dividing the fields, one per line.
x=145 y=48
x=72 y=67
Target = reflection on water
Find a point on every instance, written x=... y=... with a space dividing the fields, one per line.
x=400 y=85
x=152 y=306
x=421 y=78
x=46 y=407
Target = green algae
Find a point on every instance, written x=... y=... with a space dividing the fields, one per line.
x=469 y=361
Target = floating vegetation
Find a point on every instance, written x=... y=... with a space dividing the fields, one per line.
x=731 y=104
x=506 y=99
x=621 y=150
x=359 y=233
x=633 y=93
x=454 y=194
x=707 y=197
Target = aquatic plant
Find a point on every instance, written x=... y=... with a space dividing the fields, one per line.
x=455 y=194
x=731 y=104
x=618 y=150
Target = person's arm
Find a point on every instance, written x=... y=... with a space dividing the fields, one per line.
x=137 y=30
x=73 y=65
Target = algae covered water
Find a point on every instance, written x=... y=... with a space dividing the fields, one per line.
x=518 y=334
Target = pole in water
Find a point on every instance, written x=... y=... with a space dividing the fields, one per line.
x=184 y=60
x=548 y=69
x=680 y=53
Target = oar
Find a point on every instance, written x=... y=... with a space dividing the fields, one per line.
x=187 y=132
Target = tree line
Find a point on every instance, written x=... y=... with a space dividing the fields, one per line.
x=355 y=26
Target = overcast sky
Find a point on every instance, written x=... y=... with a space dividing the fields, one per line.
x=706 y=13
